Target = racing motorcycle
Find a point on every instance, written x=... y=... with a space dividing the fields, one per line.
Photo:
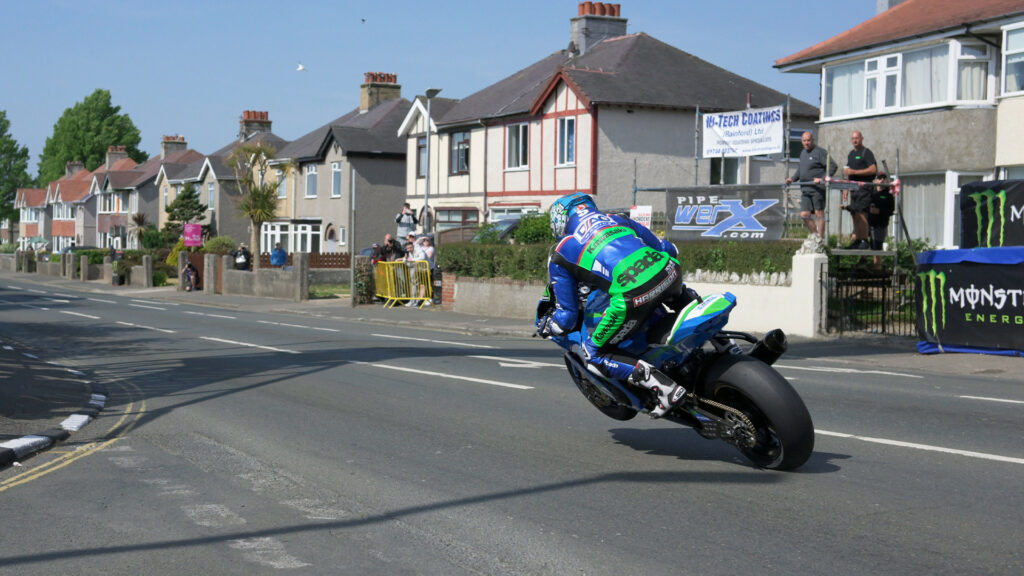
x=733 y=394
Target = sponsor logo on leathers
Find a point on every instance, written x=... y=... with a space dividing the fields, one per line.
x=630 y=275
x=661 y=287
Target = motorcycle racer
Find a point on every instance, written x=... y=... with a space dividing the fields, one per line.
x=636 y=269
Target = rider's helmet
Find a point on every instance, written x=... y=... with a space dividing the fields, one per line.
x=565 y=207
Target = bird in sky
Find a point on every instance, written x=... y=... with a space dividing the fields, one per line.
x=301 y=68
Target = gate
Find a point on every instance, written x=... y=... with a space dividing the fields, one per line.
x=869 y=301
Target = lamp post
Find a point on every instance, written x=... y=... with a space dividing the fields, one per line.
x=431 y=93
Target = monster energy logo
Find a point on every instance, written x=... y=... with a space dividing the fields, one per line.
x=933 y=289
x=985 y=202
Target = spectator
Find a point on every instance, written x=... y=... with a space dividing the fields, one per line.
x=376 y=253
x=242 y=256
x=278 y=257
x=406 y=220
x=860 y=166
x=392 y=250
x=190 y=276
x=425 y=250
x=814 y=161
x=880 y=209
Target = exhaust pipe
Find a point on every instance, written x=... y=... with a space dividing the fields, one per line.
x=769 y=348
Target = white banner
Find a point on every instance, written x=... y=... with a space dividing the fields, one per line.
x=743 y=133
x=642 y=214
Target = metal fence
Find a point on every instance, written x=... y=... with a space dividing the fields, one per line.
x=865 y=300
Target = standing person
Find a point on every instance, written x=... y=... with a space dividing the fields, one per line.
x=860 y=166
x=242 y=256
x=814 y=162
x=881 y=207
x=406 y=220
x=278 y=257
x=424 y=251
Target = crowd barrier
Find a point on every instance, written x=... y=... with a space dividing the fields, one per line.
x=400 y=281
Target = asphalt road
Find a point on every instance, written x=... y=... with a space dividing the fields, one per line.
x=238 y=442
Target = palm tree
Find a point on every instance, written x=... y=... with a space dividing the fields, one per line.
x=256 y=200
x=259 y=205
x=136 y=225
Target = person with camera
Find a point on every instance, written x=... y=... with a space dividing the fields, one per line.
x=406 y=220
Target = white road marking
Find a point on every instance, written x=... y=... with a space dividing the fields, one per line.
x=443 y=375
x=514 y=363
x=235 y=342
x=433 y=341
x=102 y=300
x=157 y=303
x=150 y=307
x=212 y=515
x=268 y=552
x=164 y=330
x=8 y=347
x=993 y=399
x=901 y=444
x=24 y=305
x=36 y=291
x=64 y=295
x=846 y=370
x=79 y=314
x=299 y=326
x=29 y=355
x=59 y=301
x=15 y=287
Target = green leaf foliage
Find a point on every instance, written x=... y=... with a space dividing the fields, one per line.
x=534 y=229
x=13 y=170
x=219 y=245
x=186 y=206
x=84 y=132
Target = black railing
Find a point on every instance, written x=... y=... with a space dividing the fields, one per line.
x=862 y=299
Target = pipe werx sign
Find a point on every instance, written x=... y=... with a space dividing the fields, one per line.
x=748 y=212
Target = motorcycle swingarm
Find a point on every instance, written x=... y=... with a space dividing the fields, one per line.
x=732 y=426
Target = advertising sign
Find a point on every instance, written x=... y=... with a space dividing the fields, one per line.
x=641 y=214
x=743 y=133
x=971 y=298
x=744 y=212
x=193 y=235
x=992 y=214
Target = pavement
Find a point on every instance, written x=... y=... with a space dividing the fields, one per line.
x=43 y=402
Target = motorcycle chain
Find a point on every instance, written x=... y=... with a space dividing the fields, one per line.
x=751 y=431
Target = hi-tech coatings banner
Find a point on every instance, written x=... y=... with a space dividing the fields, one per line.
x=971 y=300
x=992 y=214
x=743 y=133
x=743 y=212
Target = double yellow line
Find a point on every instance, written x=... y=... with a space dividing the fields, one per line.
x=128 y=420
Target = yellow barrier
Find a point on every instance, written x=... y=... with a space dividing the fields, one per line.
x=402 y=281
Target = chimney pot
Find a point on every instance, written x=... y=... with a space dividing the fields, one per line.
x=588 y=8
x=615 y=9
x=599 y=8
x=580 y=8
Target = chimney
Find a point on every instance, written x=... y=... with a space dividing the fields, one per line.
x=378 y=87
x=253 y=122
x=115 y=153
x=172 y=144
x=596 y=22
x=72 y=167
x=883 y=5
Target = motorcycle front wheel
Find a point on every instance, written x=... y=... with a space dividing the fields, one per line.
x=782 y=428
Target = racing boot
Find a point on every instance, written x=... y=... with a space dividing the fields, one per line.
x=669 y=393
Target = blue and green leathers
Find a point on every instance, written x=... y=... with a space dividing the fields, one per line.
x=622 y=258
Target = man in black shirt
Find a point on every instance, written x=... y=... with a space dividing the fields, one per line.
x=880 y=209
x=860 y=166
x=814 y=161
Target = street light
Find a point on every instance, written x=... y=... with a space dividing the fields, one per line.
x=431 y=93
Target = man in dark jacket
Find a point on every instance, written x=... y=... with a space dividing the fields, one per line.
x=814 y=161
x=242 y=256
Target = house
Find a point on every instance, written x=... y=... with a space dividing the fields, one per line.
x=611 y=112
x=8 y=232
x=113 y=205
x=71 y=208
x=937 y=89
x=142 y=189
x=33 y=227
x=214 y=177
x=357 y=155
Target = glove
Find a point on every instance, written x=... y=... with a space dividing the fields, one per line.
x=547 y=327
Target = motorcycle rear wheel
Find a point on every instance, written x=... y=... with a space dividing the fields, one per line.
x=783 y=428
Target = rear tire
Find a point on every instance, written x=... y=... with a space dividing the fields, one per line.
x=784 y=430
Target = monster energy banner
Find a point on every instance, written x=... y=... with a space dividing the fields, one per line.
x=971 y=300
x=992 y=214
x=744 y=212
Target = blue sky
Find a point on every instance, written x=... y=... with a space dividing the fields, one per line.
x=191 y=67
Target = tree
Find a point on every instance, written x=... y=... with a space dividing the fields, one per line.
x=256 y=200
x=84 y=132
x=13 y=170
x=186 y=206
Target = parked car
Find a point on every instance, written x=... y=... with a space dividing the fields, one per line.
x=500 y=231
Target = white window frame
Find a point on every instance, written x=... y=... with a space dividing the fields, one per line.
x=211 y=196
x=1016 y=29
x=566 y=141
x=962 y=57
x=282 y=185
x=310 y=170
x=517 y=157
x=167 y=194
x=303 y=235
x=274 y=232
x=335 y=179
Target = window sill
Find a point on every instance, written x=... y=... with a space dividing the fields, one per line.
x=518 y=169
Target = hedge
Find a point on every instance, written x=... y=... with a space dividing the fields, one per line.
x=529 y=262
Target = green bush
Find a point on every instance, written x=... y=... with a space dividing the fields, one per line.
x=95 y=256
x=9 y=248
x=529 y=262
x=219 y=245
x=159 y=278
x=151 y=238
x=534 y=229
